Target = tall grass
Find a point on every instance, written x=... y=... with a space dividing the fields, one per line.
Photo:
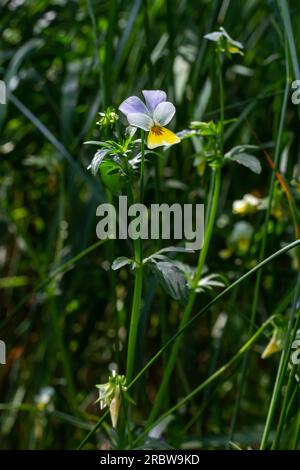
x=67 y=319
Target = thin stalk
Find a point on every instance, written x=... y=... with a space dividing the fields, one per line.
x=111 y=253
x=210 y=197
x=262 y=252
x=138 y=279
x=294 y=394
x=221 y=93
x=135 y=315
x=296 y=436
x=94 y=430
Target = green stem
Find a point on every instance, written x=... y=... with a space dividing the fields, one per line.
x=296 y=436
x=288 y=396
x=135 y=315
x=138 y=279
x=94 y=430
x=221 y=92
x=111 y=254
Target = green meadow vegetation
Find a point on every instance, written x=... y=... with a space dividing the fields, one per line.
x=144 y=344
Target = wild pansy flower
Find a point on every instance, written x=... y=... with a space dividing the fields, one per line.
x=225 y=43
x=248 y=205
x=151 y=117
x=44 y=398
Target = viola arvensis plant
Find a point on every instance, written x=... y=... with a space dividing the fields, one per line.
x=151 y=117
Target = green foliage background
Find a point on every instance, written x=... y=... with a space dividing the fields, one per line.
x=63 y=62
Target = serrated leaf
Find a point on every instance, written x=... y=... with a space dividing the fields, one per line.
x=120 y=262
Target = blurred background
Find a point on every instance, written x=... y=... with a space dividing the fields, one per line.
x=62 y=309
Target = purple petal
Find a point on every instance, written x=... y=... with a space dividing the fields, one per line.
x=153 y=98
x=141 y=120
x=163 y=113
x=133 y=104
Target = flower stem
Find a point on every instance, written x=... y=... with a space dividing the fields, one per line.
x=135 y=314
x=138 y=277
x=221 y=97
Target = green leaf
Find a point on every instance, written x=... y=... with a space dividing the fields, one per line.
x=240 y=149
x=239 y=154
x=99 y=143
x=120 y=262
x=97 y=161
x=211 y=282
x=12 y=72
x=168 y=249
x=110 y=176
x=249 y=161
x=172 y=279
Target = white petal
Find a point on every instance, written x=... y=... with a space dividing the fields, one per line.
x=163 y=113
x=141 y=120
x=154 y=98
x=133 y=104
